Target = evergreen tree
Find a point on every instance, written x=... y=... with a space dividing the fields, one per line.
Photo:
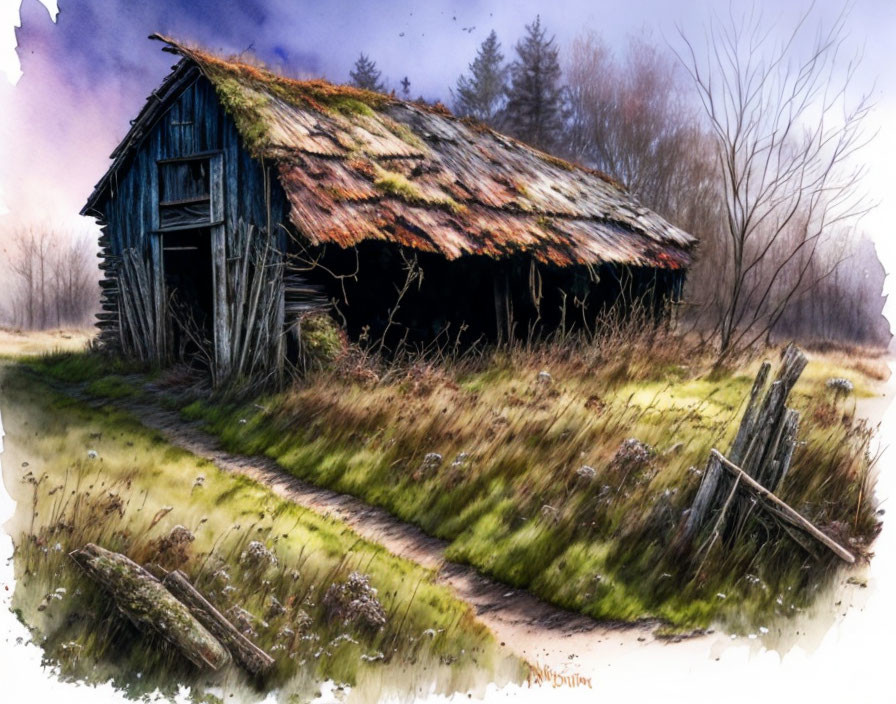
x=482 y=93
x=365 y=74
x=534 y=110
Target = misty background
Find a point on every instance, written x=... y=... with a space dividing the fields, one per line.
x=86 y=71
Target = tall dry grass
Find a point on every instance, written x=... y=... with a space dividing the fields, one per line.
x=563 y=465
x=281 y=573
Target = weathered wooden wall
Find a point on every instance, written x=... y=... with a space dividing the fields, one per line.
x=194 y=123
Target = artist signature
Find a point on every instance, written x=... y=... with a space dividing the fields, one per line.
x=540 y=675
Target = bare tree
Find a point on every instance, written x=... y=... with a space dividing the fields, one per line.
x=785 y=133
x=53 y=278
x=636 y=120
x=845 y=306
x=29 y=265
x=73 y=281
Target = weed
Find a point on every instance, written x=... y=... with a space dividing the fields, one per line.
x=640 y=415
x=98 y=476
x=639 y=406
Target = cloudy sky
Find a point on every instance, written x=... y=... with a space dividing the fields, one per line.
x=71 y=86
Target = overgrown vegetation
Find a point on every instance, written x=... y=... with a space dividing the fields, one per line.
x=276 y=569
x=564 y=467
x=321 y=342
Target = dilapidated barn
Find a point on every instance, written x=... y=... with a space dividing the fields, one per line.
x=240 y=200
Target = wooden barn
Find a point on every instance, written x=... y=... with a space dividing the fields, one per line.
x=241 y=200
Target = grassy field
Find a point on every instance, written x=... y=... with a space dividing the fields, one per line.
x=82 y=475
x=15 y=343
x=564 y=469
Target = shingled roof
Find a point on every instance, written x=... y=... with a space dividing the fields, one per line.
x=357 y=165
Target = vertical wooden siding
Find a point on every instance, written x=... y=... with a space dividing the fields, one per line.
x=194 y=123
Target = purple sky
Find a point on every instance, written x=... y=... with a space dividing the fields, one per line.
x=88 y=74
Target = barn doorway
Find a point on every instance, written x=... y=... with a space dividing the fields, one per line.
x=187 y=262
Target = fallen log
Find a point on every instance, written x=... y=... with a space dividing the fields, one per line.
x=243 y=650
x=150 y=606
x=782 y=511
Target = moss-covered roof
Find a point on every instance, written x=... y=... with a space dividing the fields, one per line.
x=358 y=165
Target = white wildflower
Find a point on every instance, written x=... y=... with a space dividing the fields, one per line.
x=586 y=472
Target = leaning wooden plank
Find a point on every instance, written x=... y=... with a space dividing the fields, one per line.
x=745 y=429
x=785 y=510
x=703 y=503
x=244 y=651
x=150 y=606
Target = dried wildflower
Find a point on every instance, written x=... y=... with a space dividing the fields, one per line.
x=460 y=460
x=243 y=621
x=632 y=454
x=275 y=608
x=840 y=386
x=180 y=535
x=173 y=550
x=302 y=621
x=257 y=556
x=549 y=513
x=585 y=472
x=431 y=462
x=354 y=602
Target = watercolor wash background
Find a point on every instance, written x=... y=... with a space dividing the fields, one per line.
x=54 y=146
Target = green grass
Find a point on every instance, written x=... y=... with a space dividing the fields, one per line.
x=515 y=507
x=79 y=367
x=67 y=496
x=113 y=387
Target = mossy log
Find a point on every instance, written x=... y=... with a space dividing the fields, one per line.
x=244 y=651
x=150 y=606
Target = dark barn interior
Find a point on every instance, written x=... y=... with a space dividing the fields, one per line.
x=187 y=263
x=477 y=299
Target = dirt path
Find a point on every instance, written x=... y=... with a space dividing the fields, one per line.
x=531 y=627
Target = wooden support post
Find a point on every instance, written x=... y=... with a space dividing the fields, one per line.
x=221 y=310
x=499 y=287
x=159 y=293
x=703 y=502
